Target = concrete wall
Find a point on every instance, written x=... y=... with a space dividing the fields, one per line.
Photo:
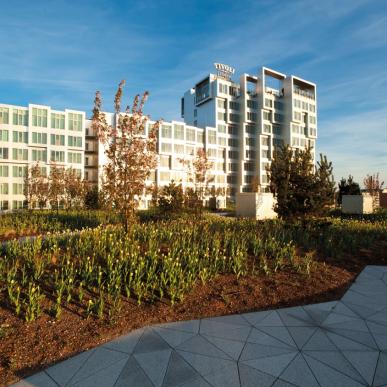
x=357 y=204
x=255 y=205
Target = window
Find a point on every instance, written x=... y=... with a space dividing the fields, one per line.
x=18 y=204
x=222 y=141
x=221 y=153
x=75 y=121
x=166 y=131
x=165 y=161
x=266 y=128
x=277 y=130
x=39 y=155
x=222 y=116
x=313 y=132
x=222 y=128
x=297 y=116
x=295 y=128
x=295 y=141
x=4 y=115
x=57 y=139
x=265 y=179
x=39 y=117
x=312 y=107
x=195 y=112
x=278 y=117
x=234 y=105
x=166 y=147
x=4 y=205
x=57 y=121
x=233 y=154
x=220 y=179
x=248 y=179
x=4 y=170
x=165 y=176
x=3 y=135
x=311 y=144
x=265 y=153
x=74 y=158
x=251 y=116
x=39 y=138
x=58 y=156
x=3 y=153
x=249 y=167
x=252 y=104
x=278 y=105
x=265 y=141
x=17 y=189
x=211 y=152
x=233 y=142
x=250 y=141
x=190 y=135
x=232 y=179
x=304 y=105
x=312 y=119
x=222 y=103
x=19 y=154
x=179 y=148
x=250 y=154
x=190 y=150
x=268 y=103
x=4 y=188
x=297 y=103
x=267 y=115
x=233 y=130
x=20 y=117
x=234 y=117
x=211 y=137
x=20 y=137
x=19 y=171
x=234 y=91
x=75 y=141
x=250 y=129
x=222 y=88
x=278 y=142
x=233 y=167
x=179 y=132
x=195 y=123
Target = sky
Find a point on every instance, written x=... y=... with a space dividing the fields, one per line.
x=58 y=53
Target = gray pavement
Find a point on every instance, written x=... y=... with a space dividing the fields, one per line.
x=340 y=343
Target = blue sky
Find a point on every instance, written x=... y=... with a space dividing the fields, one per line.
x=59 y=52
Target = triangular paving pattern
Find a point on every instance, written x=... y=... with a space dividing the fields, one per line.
x=299 y=373
x=339 y=343
x=154 y=364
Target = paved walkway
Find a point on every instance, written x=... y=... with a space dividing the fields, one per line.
x=340 y=343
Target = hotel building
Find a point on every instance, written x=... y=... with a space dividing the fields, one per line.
x=238 y=124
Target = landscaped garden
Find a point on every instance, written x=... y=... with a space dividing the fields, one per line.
x=65 y=292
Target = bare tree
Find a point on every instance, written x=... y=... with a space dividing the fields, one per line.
x=374 y=186
x=74 y=188
x=202 y=166
x=131 y=155
x=56 y=185
x=35 y=186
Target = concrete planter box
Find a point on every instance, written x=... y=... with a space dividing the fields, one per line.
x=255 y=205
x=357 y=204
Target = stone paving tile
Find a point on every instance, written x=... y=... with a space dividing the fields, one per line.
x=39 y=379
x=339 y=343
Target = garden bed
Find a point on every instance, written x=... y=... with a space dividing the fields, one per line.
x=235 y=287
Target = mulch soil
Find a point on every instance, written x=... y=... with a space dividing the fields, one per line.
x=26 y=348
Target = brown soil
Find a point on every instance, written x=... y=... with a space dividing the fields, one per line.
x=28 y=348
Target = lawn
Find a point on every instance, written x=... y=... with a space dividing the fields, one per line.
x=65 y=293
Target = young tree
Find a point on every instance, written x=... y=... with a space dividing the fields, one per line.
x=35 y=186
x=56 y=190
x=374 y=186
x=202 y=167
x=299 y=187
x=347 y=187
x=91 y=196
x=73 y=188
x=171 y=198
x=131 y=156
